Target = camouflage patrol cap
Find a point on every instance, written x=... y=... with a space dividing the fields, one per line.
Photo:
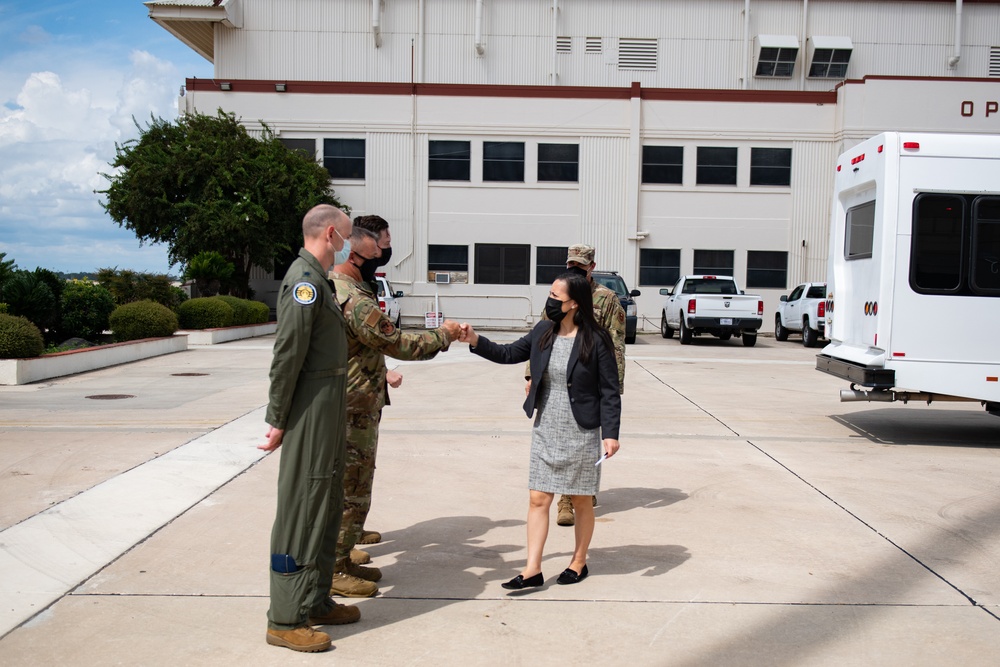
x=581 y=253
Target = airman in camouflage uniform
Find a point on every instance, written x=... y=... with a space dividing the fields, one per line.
x=370 y=335
x=609 y=314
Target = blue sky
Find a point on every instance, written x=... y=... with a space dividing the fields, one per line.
x=72 y=77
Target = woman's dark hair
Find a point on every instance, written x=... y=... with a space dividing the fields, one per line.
x=578 y=288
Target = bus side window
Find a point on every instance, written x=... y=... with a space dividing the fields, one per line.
x=985 y=274
x=938 y=243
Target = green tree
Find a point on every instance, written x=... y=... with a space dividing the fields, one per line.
x=7 y=268
x=203 y=183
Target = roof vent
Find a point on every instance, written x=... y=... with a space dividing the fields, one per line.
x=637 y=53
x=776 y=55
x=830 y=57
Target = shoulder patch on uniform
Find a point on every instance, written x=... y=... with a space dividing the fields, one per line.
x=373 y=317
x=387 y=328
x=621 y=315
x=304 y=293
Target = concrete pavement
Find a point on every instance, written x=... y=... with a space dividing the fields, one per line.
x=750 y=518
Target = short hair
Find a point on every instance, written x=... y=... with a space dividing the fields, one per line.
x=374 y=223
x=359 y=234
x=319 y=218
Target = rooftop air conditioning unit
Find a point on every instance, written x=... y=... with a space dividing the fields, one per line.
x=442 y=278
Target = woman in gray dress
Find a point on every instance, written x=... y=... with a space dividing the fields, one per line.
x=574 y=388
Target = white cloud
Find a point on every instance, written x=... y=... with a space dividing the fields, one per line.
x=55 y=142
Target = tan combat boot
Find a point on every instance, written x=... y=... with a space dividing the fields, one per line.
x=565 y=516
x=302 y=638
x=370 y=537
x=359 y=557
x=372 y=574
x=332 y=613
x=346 y=586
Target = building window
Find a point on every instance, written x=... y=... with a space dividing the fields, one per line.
x=716 y=166
x=549 y=263
x=344 y=158
x=770 y=166
x=776 y=55
x=307 y=147
x=860 y=231
x=663 y=164
x=449 y=160
x=447 y=258
x=503 y=161
x=635 y=53
x=559 y=162
x=713 y=262
x=659 y=266
x=498 y=264
x=767 y=268
x=830 y=57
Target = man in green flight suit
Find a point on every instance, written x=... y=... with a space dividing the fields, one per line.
x=370 y=336
x=609 y=314
x=306 y=414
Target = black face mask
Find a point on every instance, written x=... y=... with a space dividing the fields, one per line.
x=368 y=269
x=577 y=270
x=553 y=310
x=386 y=255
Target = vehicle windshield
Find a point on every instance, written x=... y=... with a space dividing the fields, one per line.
x=709 y=286
x=383 y=287
x=614 y=283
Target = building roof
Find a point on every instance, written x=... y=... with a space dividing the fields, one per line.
x=193 y=21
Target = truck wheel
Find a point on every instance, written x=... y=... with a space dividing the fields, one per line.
x=809 y=335
x=780 y=332
x=749 y=338
x=685 y=334
x=665 y=329
x=630 y=340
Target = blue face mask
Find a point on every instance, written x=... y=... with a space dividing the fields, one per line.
x=343 y=253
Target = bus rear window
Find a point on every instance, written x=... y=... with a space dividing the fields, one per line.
x=860 y=231
x=986 y=246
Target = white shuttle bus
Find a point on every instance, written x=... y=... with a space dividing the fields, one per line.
x=913 y=296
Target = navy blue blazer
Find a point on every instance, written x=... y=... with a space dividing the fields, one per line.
x=593 y=387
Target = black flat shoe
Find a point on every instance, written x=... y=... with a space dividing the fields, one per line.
x=519 y=582
x=569 y=576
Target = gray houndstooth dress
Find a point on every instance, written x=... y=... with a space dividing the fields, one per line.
x=563 y=453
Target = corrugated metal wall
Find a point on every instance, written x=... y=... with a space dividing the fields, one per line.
x=700 y=42
x=603 y=224
x=813 y=164
x=390 y=193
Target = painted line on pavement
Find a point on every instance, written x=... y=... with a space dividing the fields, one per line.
x=46 y=556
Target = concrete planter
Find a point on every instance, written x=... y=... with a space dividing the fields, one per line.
x=26 y=371
x=226 y=334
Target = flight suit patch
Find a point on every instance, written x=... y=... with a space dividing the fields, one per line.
x=304 y=293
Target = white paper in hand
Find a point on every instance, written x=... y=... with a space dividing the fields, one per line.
x=601 y=460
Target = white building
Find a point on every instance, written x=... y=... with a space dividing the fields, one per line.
x=676 y=136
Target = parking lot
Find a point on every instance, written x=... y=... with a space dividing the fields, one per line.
x=750 y=518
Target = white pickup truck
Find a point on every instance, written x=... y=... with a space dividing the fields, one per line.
x=803 y=311
x=713 y=305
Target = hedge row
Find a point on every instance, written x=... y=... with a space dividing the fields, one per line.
x=214 y=312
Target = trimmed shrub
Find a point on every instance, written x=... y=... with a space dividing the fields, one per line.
x=86 y=308
x=142 y=319
x=208 y=312
x=246 y=311
x=19 y=338
x=261 y=313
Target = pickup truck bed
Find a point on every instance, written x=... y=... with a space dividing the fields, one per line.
x=713 y=305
